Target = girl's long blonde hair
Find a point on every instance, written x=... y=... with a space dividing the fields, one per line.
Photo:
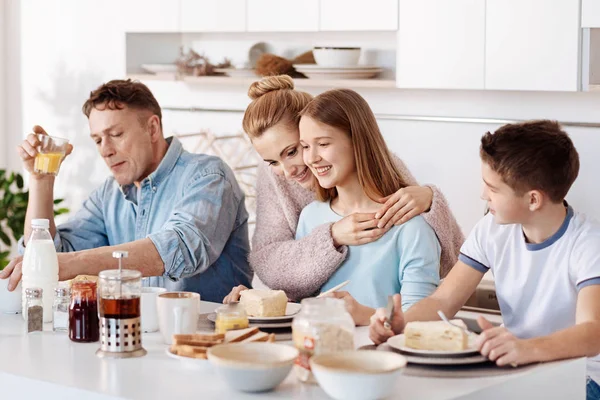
x=274 y=101
x=346 y=110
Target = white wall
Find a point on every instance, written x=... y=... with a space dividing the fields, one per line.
x=67 y=52
x=3 y=133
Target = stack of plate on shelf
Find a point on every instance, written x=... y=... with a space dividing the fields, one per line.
x=284 y=321
x=160 y=69
x=438 y=357
x=238 y=72
x=314 y=71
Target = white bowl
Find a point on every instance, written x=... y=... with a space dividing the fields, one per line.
x=358 y=375
x=336 y=56
x=10 y=302
x=253 y=367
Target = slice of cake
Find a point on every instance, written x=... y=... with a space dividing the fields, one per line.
x=264 y=303
x=435 y=335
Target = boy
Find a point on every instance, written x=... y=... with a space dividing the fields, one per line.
x=545 y=257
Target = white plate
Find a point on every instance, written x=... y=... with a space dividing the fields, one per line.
x=291 y=310
x=238 y=72
x=316 y=67
x=341 y=75
x=266 y=325
x=397 y=342
x=160 y=68
x=189 y=361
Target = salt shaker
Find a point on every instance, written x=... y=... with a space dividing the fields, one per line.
x=34 y=309
x=60 y=309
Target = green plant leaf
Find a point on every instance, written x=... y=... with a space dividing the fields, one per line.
x=61 y=211
x=20 y=182
x=5 y=239
x=58 y=201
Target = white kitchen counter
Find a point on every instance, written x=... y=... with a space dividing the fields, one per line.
x=49 y=366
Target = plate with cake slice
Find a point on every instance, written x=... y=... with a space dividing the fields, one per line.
x=268 y=306
x=435 y=339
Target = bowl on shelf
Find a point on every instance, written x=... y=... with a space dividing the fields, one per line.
x=253 y=367
x=336 y=56
x=362 y=374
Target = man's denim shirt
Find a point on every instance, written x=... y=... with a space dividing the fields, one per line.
x=192 y=209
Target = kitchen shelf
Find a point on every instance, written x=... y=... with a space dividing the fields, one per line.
x=246 y=81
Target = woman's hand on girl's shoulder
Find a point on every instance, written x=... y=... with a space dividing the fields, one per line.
x=403 y=205
x=356 y=229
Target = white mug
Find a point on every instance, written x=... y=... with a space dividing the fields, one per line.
x=178 y=312
x=149 y=310
x=10 y=302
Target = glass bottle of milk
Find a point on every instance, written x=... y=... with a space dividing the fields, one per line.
x=40 y=265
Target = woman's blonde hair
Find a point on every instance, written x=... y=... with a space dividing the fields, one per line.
x=346 y=110
x=274 y=101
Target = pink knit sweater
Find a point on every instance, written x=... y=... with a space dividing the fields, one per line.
x=301 y=267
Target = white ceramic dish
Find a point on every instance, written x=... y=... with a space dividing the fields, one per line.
x=336 y=56
x=291 y=310
x=358 y=375
x=315 y=67
x=197 y=363
x=160 y=68
x=397 y=342
x=238 y=72
x=253 y=367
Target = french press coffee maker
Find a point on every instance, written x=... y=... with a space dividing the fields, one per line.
x=119 y=292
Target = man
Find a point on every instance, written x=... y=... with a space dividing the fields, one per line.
x=180 y=216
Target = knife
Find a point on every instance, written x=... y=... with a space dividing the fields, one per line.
x=389 y=311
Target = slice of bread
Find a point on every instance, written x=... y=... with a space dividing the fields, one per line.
x=259 y=337
x=199 y=339
x=239 y=335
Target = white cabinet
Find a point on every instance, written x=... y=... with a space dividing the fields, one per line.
x=150 y=15
x=283 y=15
x=441 y=44
x=358 y=15
x=590 y=14
x=213 y=16
x=532 y=45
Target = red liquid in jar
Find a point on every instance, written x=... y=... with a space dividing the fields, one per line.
x=83 y=313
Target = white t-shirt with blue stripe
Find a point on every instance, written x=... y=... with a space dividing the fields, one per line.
x=537 y=284
x=405 y=260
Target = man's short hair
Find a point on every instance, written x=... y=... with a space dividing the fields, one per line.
x=117 y=94
x=533 y=155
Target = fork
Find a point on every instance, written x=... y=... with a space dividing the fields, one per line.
x=446 y=320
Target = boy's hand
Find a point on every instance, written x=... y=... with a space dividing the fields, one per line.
x=378 y=332
x=360 y=314
x=501 y=346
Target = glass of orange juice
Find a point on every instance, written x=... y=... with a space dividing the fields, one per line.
x=51 y=152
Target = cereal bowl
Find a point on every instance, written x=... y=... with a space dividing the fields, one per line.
x=358 y=375
x=252 y=367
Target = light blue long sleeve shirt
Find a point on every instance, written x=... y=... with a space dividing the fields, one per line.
x=191 y=208
x=405 y=260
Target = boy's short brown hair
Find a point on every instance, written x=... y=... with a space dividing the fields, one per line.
x=533 y=155
x=117 y=94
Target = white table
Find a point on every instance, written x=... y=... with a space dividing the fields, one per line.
x=49 y=366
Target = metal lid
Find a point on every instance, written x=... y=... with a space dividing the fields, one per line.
x=123 y=275
x=62 y=291
x=34 y=293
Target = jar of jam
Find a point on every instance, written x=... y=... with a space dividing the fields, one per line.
x=230 y=317
x=83 y=313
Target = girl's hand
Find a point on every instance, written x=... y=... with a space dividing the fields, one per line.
x=356 y=229
x=403 y=205
x=360 y=314
x=234 y=295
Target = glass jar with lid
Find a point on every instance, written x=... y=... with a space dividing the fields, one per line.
x=83 y=312
x=230 y=317
x=323 y=325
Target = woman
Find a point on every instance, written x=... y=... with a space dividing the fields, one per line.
x=285 y=187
